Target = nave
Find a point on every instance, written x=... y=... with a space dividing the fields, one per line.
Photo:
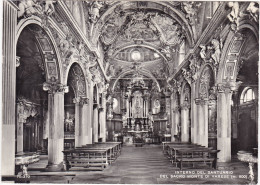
x=135 y=165
x=79 y=76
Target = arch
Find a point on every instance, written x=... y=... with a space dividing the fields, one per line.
x=226 y=51
x=76 y=79
x=66 y=72
x=53 y=64
x=130 y=71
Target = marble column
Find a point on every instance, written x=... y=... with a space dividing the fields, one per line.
x=206 y=123
x=177 y=120
x=77 y=123
x=8 y=87
x=193 y=115
x=103 y=119
x=224 y=124
x=172 y=119
x=199 y=120
x=95 y=122
x=90 y=113
x=20 y=120
x=56 y=127
x=83 y=109
x=185 y=122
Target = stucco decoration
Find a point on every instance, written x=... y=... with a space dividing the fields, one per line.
x=206 y=82
x=191 y=9
x=76 y=80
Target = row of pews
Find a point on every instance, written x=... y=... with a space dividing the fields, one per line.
x=181 y=153
x=92 y=156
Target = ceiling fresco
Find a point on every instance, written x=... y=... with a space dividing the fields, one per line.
x=141 y=34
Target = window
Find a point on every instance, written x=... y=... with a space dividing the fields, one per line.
x=247 y=95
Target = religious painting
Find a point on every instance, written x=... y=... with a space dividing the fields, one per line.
x=230 y=68
x=137 y=104
x=156 y=106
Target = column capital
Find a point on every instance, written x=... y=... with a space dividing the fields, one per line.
x=199 y=101
x=226 y=88
x=176 y=109
x=53 y=88
x=185 y=105
x=81 y=100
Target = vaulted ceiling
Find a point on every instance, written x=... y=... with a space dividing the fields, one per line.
x=142 y=36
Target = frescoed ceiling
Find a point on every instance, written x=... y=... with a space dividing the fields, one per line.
x=144 y=34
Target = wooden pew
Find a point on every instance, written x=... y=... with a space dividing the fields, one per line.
x=172 y=150
x=86 y=158
x=113 y=150
x=174 y=142
x=197 y=155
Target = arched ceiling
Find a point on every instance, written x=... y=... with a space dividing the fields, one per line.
x=141 y=33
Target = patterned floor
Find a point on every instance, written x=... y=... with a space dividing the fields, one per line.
x=143 y=165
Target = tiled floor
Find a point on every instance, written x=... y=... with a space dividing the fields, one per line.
x=141 y=165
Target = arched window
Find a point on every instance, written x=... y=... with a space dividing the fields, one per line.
x=247 y=95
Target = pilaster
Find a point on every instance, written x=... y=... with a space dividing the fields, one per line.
x=8 y=87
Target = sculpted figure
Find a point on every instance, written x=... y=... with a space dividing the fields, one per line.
x=49 y=7
x=234 y=14
x=203 y=52
x=28 y=7
x=253 y=10
x=216 y=55
x=94 y=10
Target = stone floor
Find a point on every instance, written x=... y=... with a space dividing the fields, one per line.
x=142 y=165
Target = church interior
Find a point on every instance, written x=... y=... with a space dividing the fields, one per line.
x=129 y=92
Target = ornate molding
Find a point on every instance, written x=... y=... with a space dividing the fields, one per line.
x=53 y=87
x=185 y=106
x=81 y=100
x=38 y=8
x=201 y=101
x=17 y=64
x=191 y=9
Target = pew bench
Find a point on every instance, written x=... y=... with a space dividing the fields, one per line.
x=197 y=155
x=86 y=158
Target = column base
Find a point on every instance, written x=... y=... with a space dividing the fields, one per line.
x=54 y=167
x=185 y=138
x=224 y=145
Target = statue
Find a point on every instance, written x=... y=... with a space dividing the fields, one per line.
x=253 y=10
x=94 y=10
x=203 y=52
x=216 y=55
x=28 y=7
x=49 y=7
x=234 y=14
